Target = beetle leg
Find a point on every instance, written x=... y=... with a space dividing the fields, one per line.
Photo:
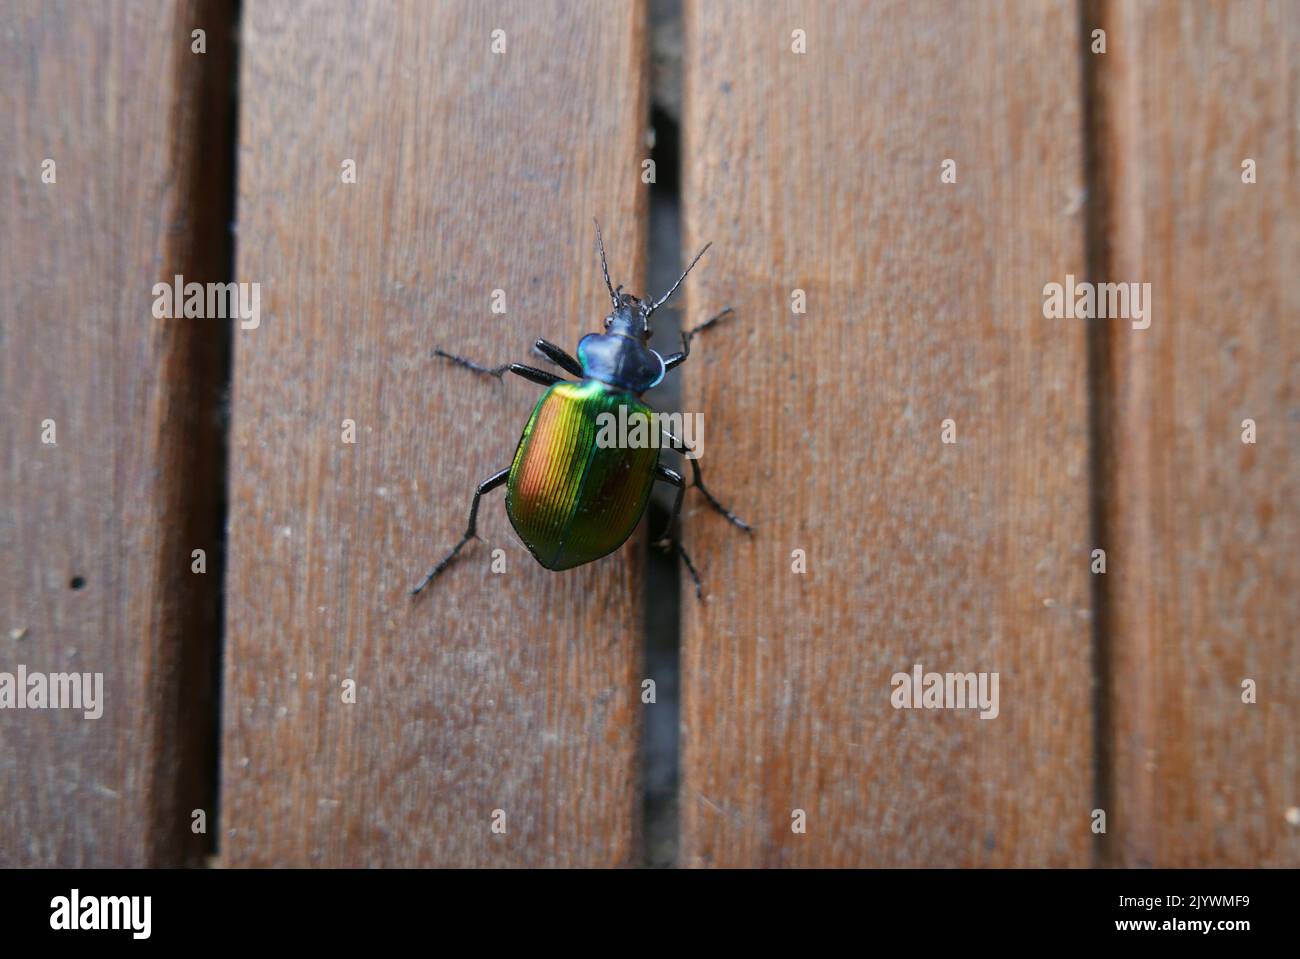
x=559 y=357
x=697 y=480
x=527 y=372
x=677 y=359
x=667 y=542
x=471 y=531
x=537 y=376
x=497 y=371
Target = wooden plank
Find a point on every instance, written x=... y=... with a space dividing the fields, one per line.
x=114 y=95
x=821 y=172
x=1204 y=591
x=475 y=172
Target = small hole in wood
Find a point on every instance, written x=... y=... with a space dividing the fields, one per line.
x=77 y=582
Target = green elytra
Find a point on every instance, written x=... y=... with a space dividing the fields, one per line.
x=571 y=497
x=571 y=500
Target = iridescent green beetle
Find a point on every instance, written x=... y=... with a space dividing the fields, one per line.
x=570 y=498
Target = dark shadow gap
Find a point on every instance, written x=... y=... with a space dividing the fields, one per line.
x=1098 y=224
x=229 y=234
x=197 y=366
x=662 y=617
x=229 y=237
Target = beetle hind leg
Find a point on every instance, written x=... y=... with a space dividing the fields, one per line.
x=471 y=530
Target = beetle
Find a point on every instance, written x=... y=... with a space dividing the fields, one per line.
x=570 y=499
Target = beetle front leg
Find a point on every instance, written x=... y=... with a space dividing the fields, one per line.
x=471 y=531
x=559 y=357
x=697 y=480
x=677 y=359
x=497 y=371
x=667 y=542
x=532 y=373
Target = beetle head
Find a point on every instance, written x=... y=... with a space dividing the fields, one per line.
x=631 y=316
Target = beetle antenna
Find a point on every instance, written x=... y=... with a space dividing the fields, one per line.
x=604 y=267
x=660 y=302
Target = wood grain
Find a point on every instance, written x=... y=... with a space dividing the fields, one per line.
x=821 y=172
x=113 y=94
x=1203 y=579
x=475 y=172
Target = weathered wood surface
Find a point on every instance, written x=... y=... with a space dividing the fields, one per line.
x=821 y=172
x=475 y=171
x=112 y=93
x=479 y=171
x=1203 y=527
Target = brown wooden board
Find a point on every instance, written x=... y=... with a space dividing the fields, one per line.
x=475 y=171
x=1202 y=581
x=115 y=96
x=821 y=172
